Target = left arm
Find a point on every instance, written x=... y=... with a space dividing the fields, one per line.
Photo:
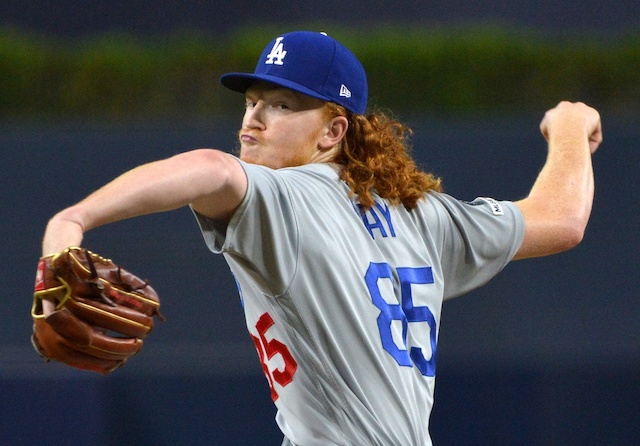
x=213 y=182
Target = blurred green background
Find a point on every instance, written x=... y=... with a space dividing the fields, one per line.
x=448 y=69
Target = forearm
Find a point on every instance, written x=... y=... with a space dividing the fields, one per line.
x=564 y=188
x=202 y=175
x=558 y=206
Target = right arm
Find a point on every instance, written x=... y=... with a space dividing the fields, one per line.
x=558 y=207
x=213 y=182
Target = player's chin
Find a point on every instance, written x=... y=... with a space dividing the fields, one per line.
x=251 y=157
x=259 y=155
x=248 y=154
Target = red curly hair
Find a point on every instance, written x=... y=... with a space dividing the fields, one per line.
x=375 y=158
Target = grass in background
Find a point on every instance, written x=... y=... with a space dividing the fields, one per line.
x=467 y=69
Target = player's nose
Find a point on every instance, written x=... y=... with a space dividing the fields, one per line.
x=254 y=116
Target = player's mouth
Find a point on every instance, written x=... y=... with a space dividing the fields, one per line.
x=248 y=138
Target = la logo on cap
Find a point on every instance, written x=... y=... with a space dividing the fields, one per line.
x=316 y=65
x=277 y=53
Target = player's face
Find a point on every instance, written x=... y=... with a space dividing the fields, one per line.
x=280 y=128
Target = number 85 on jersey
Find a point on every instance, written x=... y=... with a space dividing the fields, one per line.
x=413 y=320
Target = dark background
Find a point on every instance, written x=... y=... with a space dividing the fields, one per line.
x=548 y=353
x=81 y=17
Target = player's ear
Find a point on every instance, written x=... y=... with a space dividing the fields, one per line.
x=335 y=130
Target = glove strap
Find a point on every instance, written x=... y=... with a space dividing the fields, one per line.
x=47 y=286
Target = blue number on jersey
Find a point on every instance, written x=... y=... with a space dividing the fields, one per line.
x=405 y=313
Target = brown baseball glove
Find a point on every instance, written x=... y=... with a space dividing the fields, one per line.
x=99 y=312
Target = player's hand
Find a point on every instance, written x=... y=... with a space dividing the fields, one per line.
x=102 y=311
x=573 y=116
x=63 y=230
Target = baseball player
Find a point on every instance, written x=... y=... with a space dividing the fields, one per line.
x=342 y=249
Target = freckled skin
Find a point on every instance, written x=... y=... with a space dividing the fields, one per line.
x=280 y=128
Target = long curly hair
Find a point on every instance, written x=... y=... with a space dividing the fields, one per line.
x=375 y=157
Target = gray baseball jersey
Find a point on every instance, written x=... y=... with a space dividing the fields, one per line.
x=344 y=305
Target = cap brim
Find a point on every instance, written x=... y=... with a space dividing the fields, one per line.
x=240 y=82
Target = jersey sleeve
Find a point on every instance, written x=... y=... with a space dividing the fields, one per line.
x=263 y=233
x=477 y=240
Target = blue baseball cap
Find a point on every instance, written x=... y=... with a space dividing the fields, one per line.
x=310 y=63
